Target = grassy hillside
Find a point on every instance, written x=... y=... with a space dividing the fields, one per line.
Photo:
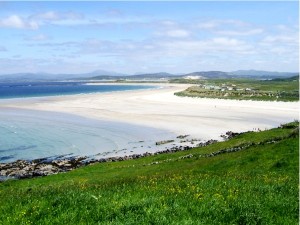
x=284 y=89
x=250 y=179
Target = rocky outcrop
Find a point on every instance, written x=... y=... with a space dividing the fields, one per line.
x=163 y=142
x=182 y=136
x=229 y=134
x=22 y=169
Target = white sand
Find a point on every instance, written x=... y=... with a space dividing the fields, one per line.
x=160 y=108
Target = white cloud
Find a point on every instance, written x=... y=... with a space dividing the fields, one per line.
x=170 y=29
x=177 y=33
x=15 y=21
x=240 y=32
x=229 y=27
x=282 y=42
x=60 y=18
x=55 y=16
x=212 y=24
x=207 y=25
x=47 y=16
x=225 y=42
x=211 y=44
x=285 y=39
x=154 y=47
x=36 y=20
x=194 y=48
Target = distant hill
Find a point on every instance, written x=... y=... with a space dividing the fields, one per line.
x=293 y=78
x=24 y=77
x=146 y=76
x=111 y=75
x=203 y=75
x=260 y=73
x=154 y=75
x=100 y=73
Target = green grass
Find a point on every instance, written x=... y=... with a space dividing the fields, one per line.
x=257 y=185
x=263 y=90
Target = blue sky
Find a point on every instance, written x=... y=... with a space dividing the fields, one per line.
x=131 y=37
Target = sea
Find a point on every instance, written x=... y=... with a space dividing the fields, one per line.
x=40 y=89
x=31 y=134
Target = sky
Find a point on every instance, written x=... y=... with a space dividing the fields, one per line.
x=148 y=37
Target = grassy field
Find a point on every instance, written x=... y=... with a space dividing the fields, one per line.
x=257 y=184
x=265 y=90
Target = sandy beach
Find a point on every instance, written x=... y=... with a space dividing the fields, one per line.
x=160 y=108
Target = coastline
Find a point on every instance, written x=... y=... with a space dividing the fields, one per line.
x=160 y=108
x=22 y=169
x=157 y=108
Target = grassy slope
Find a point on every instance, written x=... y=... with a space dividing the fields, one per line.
x=258 y=185
x=288 y=89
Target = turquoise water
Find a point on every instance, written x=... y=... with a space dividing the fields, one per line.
x=28 y=134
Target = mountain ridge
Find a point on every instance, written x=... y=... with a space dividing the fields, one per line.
x=111 y=75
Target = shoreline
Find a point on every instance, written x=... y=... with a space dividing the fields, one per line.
x=160 y=108
x=28 y=169
x=157 y=108
x=24 y=169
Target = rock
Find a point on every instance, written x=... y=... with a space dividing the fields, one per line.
x=163 y=142
x=147 y=154
x=182 y=136
x=186 y=156
x=67 y=165
x=229 y=134
x=20 y=174
x=101 y=160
